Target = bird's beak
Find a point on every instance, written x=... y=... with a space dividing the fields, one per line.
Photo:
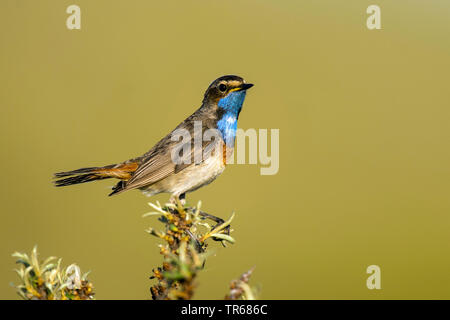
x=245 y=86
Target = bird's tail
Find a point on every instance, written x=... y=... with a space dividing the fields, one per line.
x=121 y=171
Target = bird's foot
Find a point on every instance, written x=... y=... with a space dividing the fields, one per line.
x=219 y=221
x=181 y=198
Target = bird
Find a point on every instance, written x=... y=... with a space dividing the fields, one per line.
x=194 y=165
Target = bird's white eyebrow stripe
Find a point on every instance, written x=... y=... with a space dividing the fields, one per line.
x=234 y=83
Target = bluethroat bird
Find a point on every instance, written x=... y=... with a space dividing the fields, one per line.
x=156 y=172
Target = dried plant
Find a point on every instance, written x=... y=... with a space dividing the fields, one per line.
x=48 y=281
x=239 y=288
x=185 y=235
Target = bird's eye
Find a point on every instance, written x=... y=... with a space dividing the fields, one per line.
x=222 y=87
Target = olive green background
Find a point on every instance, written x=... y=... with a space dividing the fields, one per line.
x=364 y=140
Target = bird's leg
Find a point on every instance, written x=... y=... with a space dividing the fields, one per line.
x=182 y=198
x=206 y=215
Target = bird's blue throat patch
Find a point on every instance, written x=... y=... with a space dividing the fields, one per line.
x=227 y=125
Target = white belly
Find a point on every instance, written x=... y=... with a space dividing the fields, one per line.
x=190 y=178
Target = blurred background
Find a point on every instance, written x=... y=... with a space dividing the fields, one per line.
x=364 y=140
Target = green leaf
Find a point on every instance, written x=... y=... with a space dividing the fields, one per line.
x=223 y=237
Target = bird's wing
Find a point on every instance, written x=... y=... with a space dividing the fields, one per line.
x=157 y=164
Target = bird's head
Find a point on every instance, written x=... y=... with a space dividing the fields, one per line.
x=228 y=92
